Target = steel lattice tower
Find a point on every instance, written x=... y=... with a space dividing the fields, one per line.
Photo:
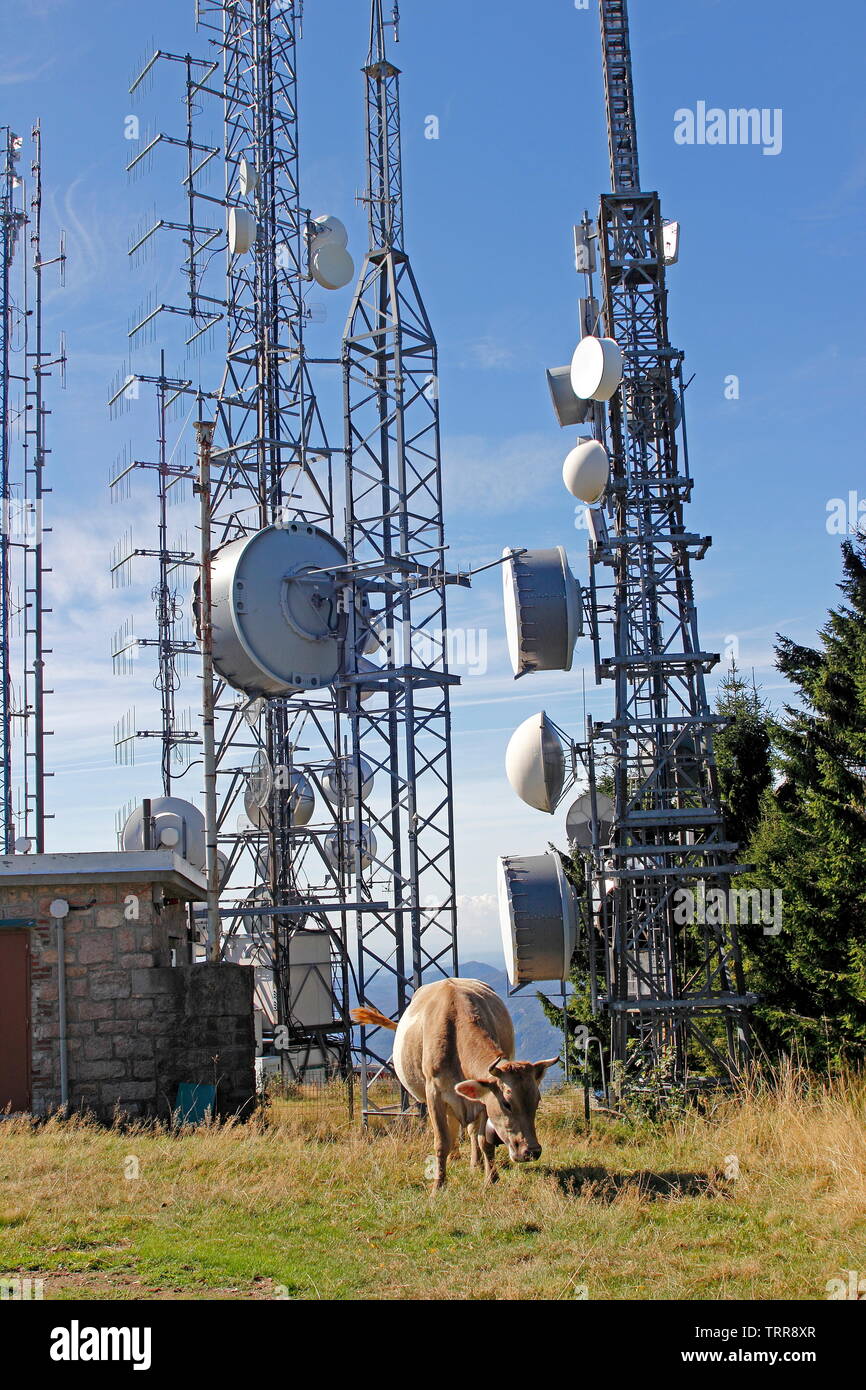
x=270 y=465
x=666 y=983
x=395 y=539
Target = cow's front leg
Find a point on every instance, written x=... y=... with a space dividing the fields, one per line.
x=488 y=1151
x=474 y=1129
x=444 y=1131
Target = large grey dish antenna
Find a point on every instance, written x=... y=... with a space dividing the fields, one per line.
x=274 y=614
x=542 y=610
x=535 y=762
x=175 y=824
x=578 y=820
x=538 y=917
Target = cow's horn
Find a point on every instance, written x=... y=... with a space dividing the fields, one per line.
x=494 y=1066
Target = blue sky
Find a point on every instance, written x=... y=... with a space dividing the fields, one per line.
x=769 y=287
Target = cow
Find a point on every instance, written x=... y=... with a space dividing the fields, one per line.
x=453 y=1051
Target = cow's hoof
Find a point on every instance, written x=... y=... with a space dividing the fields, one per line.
x=491 y=1177
x=437 y=1186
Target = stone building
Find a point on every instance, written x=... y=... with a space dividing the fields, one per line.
x=135 y=1017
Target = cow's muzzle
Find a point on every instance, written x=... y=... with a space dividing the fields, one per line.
x=527 y=1153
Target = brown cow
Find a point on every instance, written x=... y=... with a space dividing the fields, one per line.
x=452 y=1051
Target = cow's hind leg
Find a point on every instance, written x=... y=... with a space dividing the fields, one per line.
x=445 y=1129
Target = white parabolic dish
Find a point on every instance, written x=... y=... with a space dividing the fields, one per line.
x=368 y=848
x=331 y=265
x=535 y=763
x=586 y=471
x=340 y=781
x=541 y=599
x=248 y=178
x=537 y=917
x=596 y=369
x=176 y=825
x=329 y=231
x=241 y=231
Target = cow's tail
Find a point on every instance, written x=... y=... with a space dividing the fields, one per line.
x=373 y=1019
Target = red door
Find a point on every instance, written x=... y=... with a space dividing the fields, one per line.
x=14 y=1019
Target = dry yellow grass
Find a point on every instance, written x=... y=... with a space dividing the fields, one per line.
x=299 y=1203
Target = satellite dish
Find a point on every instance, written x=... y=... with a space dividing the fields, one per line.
x=340 y=781
x=274 y=605
x=302 y=799
x=578 y=820
x=538 y=917
x=176 y=824
x=222 y=861
x=363 y=665
x=331 y=266
x=586 y=472
x=330 y=231
x=248 y=177
x=260 y=779
x=23 y=845
x=253 y=711
x=568 y=408
x=596 y=368
x=242 y=231
x=542 y=610
x=350 y=839
x=299 y=795
x=535 y=763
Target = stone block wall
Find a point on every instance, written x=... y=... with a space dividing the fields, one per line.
x=136 y=1024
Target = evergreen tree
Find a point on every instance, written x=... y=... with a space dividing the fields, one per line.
x=743 y=754
x=811 y=843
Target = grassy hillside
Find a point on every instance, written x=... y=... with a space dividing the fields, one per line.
x=300 y=1204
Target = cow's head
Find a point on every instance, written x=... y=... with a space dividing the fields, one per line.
x=510 y=1095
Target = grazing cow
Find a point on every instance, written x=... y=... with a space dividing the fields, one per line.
x=452 y=1051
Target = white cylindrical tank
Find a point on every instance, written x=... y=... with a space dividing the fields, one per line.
x=586 y=471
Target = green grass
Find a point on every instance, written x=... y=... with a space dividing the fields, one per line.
x=299 y=1204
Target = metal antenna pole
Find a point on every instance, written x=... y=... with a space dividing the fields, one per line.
x=394 y=528
x=22 y=568
x=204 y=431
x=11 y=221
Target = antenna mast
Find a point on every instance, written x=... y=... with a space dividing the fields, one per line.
x=22 y=471
x=395 y=538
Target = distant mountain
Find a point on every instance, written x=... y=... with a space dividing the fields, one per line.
x=535 y=1038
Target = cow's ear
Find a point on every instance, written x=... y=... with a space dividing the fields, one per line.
x=541 y=1067
x=472 y=1090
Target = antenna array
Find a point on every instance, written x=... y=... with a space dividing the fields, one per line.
x=25 y=366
